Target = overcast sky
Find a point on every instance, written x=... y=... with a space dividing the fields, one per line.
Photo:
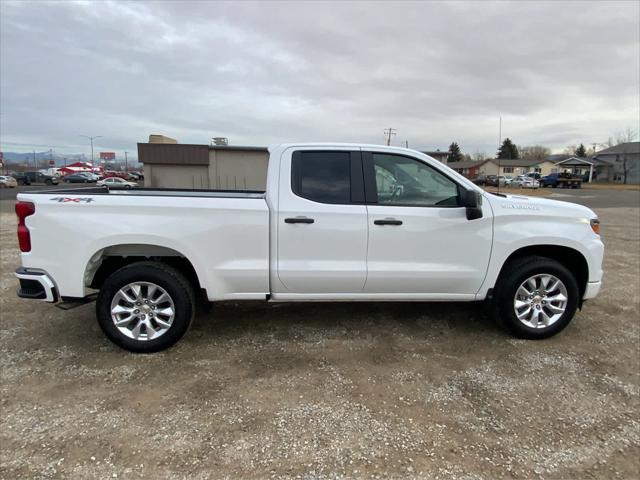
x=263 y=73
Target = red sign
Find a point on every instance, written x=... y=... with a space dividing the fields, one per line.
x=107 y=155
x=52 y=163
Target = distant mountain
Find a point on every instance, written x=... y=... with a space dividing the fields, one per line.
x=42 y=158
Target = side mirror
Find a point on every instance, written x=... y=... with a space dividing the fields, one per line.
x=472 y=201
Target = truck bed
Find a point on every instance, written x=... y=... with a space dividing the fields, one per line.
x=224 y=234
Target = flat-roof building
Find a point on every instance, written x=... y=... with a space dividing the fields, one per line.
x=222 y=167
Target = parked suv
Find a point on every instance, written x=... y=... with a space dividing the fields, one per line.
x=21 y=178
x=487 y=180
x=39 y=177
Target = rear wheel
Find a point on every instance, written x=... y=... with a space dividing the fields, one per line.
x=145 y=306
x=535 y=298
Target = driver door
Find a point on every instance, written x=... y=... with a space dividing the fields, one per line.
x=420 y=241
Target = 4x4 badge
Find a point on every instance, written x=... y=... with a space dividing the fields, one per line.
x=72 y=200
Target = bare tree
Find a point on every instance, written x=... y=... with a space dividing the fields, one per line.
x=535 y=152
x=625 y=138
x=479 y=156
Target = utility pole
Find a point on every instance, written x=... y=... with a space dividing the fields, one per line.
x=388 y=132
x=35 y=165
x=126 y=163
x=406 y=144
x=92 y=139
x=499 y=145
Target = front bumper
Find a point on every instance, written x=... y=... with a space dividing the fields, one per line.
x=592 y=289
x=36 y=285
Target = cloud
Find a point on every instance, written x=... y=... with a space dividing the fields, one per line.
x=260 y=73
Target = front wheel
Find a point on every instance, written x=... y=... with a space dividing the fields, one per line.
x=145 y=307
x=536 y=297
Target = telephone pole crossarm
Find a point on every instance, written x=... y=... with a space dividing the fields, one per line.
x=388 y=132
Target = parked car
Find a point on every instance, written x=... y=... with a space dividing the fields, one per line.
x=487 y=180
x=93 y=176
x=504 y=181
x=133 y=176
x=523 y=181
x=79 y=178
x=41 y=178
x=115 y=173
x=336 y=223
x=21 y=178
x=116 y=183
x=7 y=181
x=535 y=175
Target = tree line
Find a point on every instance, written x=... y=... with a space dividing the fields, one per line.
x=510 y=151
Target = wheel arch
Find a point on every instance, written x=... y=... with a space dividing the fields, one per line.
x=569 y=257
x=109 y=259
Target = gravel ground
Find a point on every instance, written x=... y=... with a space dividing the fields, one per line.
x=328 y=390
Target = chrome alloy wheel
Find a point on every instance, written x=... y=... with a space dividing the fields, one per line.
x=142 y=311
x=540 y=301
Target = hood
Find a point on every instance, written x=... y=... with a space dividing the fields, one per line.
x=520 y=204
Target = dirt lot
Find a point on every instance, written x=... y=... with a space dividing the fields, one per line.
x=328 y=390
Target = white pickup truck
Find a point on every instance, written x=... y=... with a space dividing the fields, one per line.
x=338 y=222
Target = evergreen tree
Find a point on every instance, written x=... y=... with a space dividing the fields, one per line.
x=508 y=150
x=454 y=153
x=581 y=152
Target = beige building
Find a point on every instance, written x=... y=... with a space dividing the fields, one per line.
x=221 y=167
x=521 y=167
x=511 y=168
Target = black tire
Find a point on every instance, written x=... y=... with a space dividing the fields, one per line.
x=514 y=274
x=171 y=280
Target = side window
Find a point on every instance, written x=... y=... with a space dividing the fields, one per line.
x=323 y=177
x=404 y=181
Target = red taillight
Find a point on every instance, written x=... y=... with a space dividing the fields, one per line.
x=23 y=210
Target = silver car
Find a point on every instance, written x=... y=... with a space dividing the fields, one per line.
x=8 y=182
x=116 y=183
x=525 y=182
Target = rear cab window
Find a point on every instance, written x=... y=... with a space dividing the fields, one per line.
x=327 y=176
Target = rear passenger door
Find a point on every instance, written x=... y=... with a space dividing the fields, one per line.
x=322 y=222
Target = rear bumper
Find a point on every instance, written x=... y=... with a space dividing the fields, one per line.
x=36 y=285
x=593 y=288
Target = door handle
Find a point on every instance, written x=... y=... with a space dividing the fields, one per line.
x=388 y=221
x=299 y=220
